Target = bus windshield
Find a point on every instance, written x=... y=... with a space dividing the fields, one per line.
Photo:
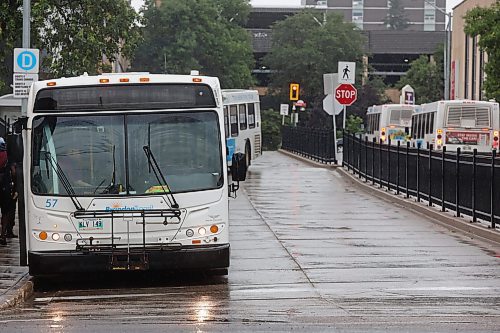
x=103 y=154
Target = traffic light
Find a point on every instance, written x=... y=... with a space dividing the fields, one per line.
x=294 y=91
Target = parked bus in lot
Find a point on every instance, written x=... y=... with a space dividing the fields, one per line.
x=126 y=172
x=389 y=122
x=242 y=123
x=453 y=124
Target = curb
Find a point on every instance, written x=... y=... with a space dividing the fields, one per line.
x=451 y=222
x=307 y=160
x=18 y=293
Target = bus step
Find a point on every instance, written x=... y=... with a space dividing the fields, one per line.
x=129 y=262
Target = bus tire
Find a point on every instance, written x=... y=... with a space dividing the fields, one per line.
x=248 y=152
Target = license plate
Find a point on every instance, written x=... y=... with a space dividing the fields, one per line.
x=87 y=225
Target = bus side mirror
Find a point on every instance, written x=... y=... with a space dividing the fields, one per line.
x=15 y=148
x=238 y=167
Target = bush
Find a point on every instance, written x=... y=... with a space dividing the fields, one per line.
x=271 y=129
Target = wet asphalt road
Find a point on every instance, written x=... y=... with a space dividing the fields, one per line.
x=309 y=253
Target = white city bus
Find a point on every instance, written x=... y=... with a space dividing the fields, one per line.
x=242 y=123
x=464 y=124
x=389 y=122
x=126 y=172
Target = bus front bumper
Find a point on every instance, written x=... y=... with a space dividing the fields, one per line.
x=62 y=262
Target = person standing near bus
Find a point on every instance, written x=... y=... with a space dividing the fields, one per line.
x=8 y=194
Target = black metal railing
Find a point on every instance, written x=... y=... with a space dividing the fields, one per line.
x=315 y=144
x=464 y=183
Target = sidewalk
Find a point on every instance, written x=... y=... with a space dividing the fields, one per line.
x=15 y=284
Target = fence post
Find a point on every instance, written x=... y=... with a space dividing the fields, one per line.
x=406 y=170
x=359 y=156
x=430 y=175
x=389 y=164
x=443 y=161
x=397 y=171
x=366 y=159
x=492 y=189
x=457 y=184
x=418 y=173
x=380 y=163
x=345 y=157
x=373 y=161
x=474 y=161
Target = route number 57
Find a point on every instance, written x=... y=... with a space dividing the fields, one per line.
x=50 y=203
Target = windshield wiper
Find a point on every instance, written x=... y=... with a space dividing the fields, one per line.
x=64 y=181
x=157 y=171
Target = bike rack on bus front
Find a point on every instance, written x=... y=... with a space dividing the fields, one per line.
x=123 y=256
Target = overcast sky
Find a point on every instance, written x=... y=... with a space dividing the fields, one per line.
x=293 y=3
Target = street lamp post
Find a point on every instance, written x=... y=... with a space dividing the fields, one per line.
x=26 y=43
x=447 y=50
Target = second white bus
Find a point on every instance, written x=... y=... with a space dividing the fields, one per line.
x=389 y=122
x=242 y=123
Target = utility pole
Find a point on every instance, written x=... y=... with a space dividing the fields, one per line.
x=26 y=43
x=447 y=50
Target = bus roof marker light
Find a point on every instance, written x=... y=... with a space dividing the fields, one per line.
x=144 y=79
x=103 y=80
x=123 y=79
x=197 y=80
x=51 y=84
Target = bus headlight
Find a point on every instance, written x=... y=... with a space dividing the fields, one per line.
x=202 y=231
x=189 y=232
x=68 y=237
x=55 y=236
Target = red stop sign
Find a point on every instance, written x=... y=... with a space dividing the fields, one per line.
x=346 y=94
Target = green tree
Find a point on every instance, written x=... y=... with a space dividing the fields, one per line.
x=371 y=93
x=304 y=49
x=205 y=35
x=353 y=124
x=85 y=35
x=396 y=17
x=426 y=78
x=483 y=22
x=271 y=129
x=11 y=20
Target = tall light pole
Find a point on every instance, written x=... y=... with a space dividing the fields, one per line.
x=26 y=43
x=447 y=50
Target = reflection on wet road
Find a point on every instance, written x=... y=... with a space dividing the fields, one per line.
x=309 y=253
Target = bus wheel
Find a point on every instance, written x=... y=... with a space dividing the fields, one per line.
x=248 y=156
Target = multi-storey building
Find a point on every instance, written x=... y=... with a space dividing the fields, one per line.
x=422 y=15
x=467 y=60
x=390 y=52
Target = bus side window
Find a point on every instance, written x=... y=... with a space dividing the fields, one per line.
x=427 y=123
x=243 y=116
x=251 y=115
x=432 y=123
x=226 y=122
x=413 y=122
x=233 y=120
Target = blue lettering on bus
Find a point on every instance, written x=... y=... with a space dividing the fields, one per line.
x=231 y=147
